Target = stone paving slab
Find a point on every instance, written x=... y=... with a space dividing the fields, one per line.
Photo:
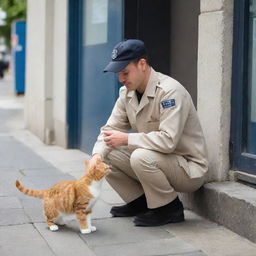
x=10 y=202
x=7 y=170
x=35 y=214
x=111 y=197
x=13 y=217
x=118 y=236
x=213 y=239
x=197 y=253
x=64 y=242
x=106 y=186
x=171 y=246
x=76 y=174
x=7 y=182
x=113 y=231
x=15 y=119
x=31 y=202
x=14 y=154
x=8 y=188
x=67 y=157
x=23 y=240
x=101 y=210
x=9 y=177
x=40 y=172
x=163 y=247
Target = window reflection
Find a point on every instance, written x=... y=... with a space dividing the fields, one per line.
x=95 y=22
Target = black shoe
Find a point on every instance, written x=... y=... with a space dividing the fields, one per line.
x=170 y=213
x=133 y=208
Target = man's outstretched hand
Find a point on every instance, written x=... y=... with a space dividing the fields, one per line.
x=93 y=161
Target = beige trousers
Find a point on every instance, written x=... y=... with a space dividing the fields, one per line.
x=157 y=175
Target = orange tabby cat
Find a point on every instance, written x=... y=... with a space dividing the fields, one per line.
x=70 y=197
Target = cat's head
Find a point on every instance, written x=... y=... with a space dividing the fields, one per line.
x=99 y=171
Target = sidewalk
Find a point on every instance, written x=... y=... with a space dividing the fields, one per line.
x=23 y=231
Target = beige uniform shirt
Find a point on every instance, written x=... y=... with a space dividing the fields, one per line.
x=165 y=120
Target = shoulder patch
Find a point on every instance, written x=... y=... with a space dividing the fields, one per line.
x=168 y=103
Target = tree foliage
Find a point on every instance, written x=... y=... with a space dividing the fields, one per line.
x=15 y=10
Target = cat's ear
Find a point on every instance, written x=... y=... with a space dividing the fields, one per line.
x=86 y=162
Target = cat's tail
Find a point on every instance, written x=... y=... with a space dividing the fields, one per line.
x=30 y=192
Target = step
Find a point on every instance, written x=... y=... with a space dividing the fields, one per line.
x=229 y=203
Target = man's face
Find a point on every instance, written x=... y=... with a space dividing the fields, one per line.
x=133 y=75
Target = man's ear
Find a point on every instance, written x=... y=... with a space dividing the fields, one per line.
x=143 y=64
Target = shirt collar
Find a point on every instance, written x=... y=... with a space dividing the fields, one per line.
x=151 y=85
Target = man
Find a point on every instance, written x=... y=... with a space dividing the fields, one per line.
x=152 y=140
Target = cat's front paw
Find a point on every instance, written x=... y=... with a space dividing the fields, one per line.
x=93 y=228
x=54 y=228
x=86 y=231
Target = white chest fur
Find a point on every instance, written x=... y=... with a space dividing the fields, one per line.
x=95 y=189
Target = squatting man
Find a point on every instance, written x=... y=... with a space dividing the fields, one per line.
x=152 y=140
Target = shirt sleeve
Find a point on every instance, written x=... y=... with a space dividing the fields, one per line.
x=174 y=111
x=118 y=120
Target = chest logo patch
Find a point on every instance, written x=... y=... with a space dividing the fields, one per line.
x=168 y=103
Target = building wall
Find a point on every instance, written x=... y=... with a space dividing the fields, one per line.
x=60 y=72
x=184 y=42
x=214 y=81
x=35 y=68
x=38 y=100
x=45 y=101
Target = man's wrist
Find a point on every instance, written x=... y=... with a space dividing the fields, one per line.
x=126 y=139
x=96 y=155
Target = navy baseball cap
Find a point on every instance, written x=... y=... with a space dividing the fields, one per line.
x=123 y=53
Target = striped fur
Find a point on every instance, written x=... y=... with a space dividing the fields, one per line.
x=70 y=197
x=31 y=192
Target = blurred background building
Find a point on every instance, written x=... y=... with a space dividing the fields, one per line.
x=13 y=41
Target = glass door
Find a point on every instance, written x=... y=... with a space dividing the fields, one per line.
x=102 y=29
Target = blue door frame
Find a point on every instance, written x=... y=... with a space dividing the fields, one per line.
x=240 y=158
x=91 y=94
x=73 y=70
x=19 y=55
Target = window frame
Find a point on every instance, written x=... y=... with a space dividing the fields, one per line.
x=240 y=160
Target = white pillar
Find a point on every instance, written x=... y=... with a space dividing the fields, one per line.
x=39 y=69
x=214 y=81
x=60 y=71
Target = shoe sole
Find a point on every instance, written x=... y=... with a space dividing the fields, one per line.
x=177 y=219
x=125 y=214
x=121 y=215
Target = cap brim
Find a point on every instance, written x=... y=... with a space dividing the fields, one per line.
x=116 y=66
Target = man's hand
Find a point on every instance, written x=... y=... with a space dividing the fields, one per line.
x=115 y=138
x=93 y=161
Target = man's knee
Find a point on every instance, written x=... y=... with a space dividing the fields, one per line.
x=119 y=158
x=113 y=157
x=141 y=158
